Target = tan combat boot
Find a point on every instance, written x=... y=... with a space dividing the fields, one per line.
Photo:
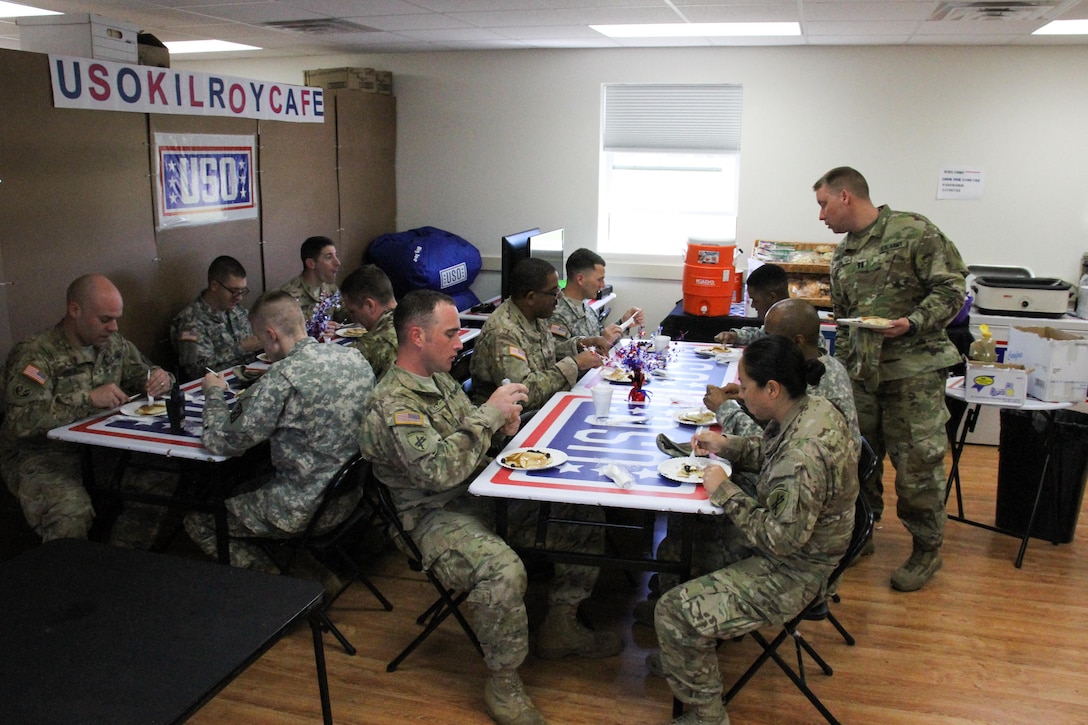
x=712 y=713
x=561 y=634
x=918 y=569
x=506 y=701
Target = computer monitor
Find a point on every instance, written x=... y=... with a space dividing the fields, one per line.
x=515 y=247
x=549 y=247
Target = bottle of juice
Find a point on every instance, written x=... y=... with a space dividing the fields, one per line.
x=984 y=350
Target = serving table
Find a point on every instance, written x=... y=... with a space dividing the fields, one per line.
x=955 y=388
x=567 y=423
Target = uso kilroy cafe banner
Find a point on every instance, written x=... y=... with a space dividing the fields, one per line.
x=106 y=86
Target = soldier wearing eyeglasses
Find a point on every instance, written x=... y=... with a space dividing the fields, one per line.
x=214 y=331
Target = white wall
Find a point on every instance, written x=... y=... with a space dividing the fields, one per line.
x=493 y=142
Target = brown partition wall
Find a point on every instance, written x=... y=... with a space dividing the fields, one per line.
x=76 y=196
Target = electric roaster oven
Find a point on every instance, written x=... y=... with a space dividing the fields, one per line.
x=1022 y=296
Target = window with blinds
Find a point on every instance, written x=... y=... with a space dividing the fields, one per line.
x=670 y=161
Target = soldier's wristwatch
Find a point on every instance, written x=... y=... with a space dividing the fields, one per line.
x=912 y=329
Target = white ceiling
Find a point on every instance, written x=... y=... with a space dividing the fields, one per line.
x=398 y=26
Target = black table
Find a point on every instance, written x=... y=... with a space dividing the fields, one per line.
x=91 y=633
x=680 y=325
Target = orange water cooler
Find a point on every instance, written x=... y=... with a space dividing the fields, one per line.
x=711 y=282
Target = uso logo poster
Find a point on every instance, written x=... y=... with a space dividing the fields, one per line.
x=204 y=179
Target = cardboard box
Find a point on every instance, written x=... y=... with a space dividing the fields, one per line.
x=995 y=383
x=385 y=82
x=363 y=79
x=82 y=35
x=1058 y=362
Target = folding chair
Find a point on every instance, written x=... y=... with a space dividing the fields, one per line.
x=866 y=470
x=863 y=528
x=284 y=553
x=449 y=600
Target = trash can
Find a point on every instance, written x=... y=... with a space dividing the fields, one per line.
x=1020 y=463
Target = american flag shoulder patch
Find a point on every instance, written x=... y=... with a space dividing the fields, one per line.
x=560 y=330
x=406 y=417
x=515 y=351
x=35 y=374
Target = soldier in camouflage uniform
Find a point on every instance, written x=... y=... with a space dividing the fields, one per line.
x=573 y=318
x=719 y=541
x=799 y=524
x=516 y=343
x=309 y=405
x=318 y=279
x=899 y=266
x=767 y=284
x=70 y=371
x=214 y=331
x=426 y=441
x=368 y=298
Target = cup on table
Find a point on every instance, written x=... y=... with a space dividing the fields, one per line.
x=602 y=400
x=661 y=343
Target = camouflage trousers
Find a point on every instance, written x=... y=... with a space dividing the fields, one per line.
x=245 y=517
x=48 y=482
x=459 y=545
x=716 y=540
x=906 y=419
x=744 y=596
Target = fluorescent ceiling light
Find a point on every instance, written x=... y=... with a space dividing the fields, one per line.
x=180 y=47
x=14 y=10
x=697 y=30
x=1064 y=27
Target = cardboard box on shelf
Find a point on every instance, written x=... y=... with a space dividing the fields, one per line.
x=1058 y=362
x=363 y=79
x=995 y=383
x=79 y=34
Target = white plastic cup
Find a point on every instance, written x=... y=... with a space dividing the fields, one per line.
x=661 y=343
x=602 y=400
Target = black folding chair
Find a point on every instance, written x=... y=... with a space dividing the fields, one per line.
x=284 y=553
x=866 y=470
x=449 y=600
x=863 y=528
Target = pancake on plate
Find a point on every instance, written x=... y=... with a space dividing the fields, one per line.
x=152 y=409
x=527 y=459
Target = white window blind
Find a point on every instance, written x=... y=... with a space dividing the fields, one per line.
x=702 y=118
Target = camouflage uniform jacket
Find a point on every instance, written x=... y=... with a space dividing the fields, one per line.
x=901 y=266
x=309 y=297
x=749 y=334
x=509 y=346
x=425 y=440
x=803 y=515
x=309 y=405
x=48 y=381
x=204 y=337
x=379 y=344
x=834 y=385
x=573 y=318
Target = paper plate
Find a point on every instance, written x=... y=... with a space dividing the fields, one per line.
x=867 y=322
x=695 y=416
x=712 y=350
x=263 y=357
x=531 y=459
x=690 y=470
x=350 y=331
x=133 y=409
x=616 y=375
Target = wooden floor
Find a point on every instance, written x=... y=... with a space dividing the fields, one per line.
x=984 y=642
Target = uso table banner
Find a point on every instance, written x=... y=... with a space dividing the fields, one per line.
x=107 y=86
x=204 y=179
